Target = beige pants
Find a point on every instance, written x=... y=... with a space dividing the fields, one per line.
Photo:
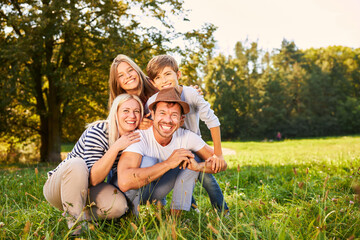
x=67 y=190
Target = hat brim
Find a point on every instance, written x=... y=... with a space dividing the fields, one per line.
x=183 y=104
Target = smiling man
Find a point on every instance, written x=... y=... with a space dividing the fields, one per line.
x=149 y=169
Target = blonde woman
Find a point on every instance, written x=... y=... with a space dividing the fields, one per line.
x=78 y=181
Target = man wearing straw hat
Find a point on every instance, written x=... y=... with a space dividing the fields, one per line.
x=162 y=160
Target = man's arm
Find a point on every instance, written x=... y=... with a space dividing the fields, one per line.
x=131 y=176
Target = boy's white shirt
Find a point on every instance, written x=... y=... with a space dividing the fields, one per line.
x=200 y=109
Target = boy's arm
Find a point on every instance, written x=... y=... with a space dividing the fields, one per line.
x=216 y=137
x=205 y=153
x=218 y=159
x=207 y=115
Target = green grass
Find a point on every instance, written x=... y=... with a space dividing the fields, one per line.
x=294 y=189
x=67 y=147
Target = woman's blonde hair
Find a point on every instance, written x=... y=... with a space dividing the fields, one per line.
x=145 y=88
x=112 y=121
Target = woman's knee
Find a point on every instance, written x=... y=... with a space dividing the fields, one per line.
x=119 y=207
x=109 y=201
x=76 y=168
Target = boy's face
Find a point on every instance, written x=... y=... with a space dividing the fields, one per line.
x=167 y=78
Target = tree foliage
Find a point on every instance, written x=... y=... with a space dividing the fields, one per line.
x=55 y=58
x=56 y=55
x=301 y=93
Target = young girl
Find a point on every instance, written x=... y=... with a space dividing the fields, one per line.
x=127 y=77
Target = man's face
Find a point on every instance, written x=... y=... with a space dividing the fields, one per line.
x=167 y=78
x=167 y=118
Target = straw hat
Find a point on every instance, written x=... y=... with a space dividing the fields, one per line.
x=170 y=95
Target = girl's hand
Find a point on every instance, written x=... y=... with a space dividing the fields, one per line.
x=126 y=140
x=146 y=122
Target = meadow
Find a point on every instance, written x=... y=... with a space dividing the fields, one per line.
x=293 y=189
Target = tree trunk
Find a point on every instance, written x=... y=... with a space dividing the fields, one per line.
x=44 y=135
x=35 y=70
x=54 y=119
x=49 y=119
x=54 y=144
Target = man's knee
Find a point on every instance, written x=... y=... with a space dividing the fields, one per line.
x=187 y=175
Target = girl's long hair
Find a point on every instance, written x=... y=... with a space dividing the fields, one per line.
x=145 y=89
x=112 y=121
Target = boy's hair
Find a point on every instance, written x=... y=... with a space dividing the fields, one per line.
x=158 y=63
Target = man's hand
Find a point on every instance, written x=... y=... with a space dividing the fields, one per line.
x=179 y=156
x=146 y=122
x=127 y=139
x=217 y=163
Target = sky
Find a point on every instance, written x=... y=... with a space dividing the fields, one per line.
x=309 y=23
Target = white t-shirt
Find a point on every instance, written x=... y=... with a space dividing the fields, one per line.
x=148 y=146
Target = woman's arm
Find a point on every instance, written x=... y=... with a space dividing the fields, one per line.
x=102 y=167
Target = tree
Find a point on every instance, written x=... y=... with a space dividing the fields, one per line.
x=196 y=54
x=227 y=93
x=330 y=90
x=57 y=56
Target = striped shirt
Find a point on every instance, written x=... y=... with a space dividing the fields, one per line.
x=91 y=146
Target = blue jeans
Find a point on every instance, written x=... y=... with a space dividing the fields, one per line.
x=181 y=180
x=213 y=189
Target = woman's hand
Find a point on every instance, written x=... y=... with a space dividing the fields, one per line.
x=126 y=140
x=145 y=123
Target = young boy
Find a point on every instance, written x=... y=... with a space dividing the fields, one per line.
x=164 y=72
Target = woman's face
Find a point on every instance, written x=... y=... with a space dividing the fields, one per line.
x=128 y=115
x=127 y=77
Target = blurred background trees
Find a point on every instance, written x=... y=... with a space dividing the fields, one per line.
x=55 y=58
x=301 y=93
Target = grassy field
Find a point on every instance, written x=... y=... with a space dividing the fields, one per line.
x=294 y=189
